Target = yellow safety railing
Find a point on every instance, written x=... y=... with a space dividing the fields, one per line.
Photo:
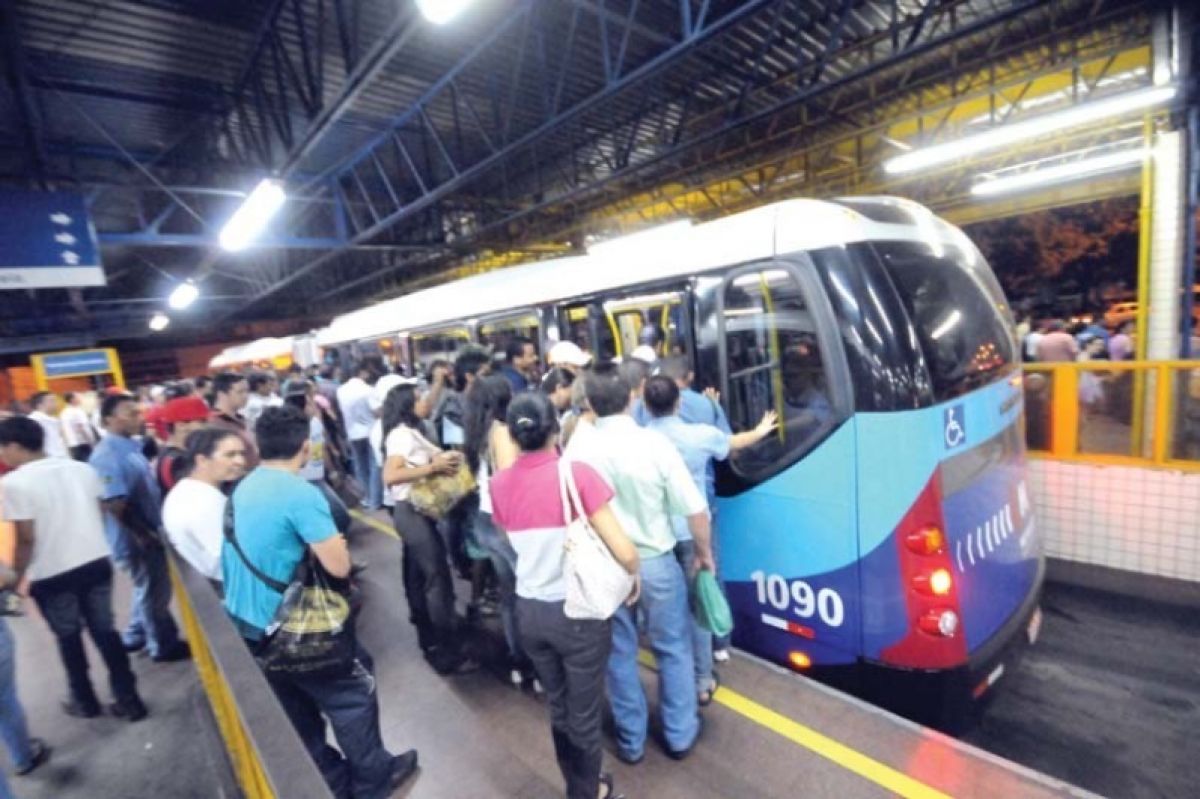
x=1133 y=413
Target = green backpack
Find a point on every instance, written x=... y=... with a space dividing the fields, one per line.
x=711 y=607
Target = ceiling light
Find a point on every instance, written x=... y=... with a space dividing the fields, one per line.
x=159 y=322
x=1029 y=129
x=183 y=295
x=1062 y=173
x=249 y=221
x=439 y=12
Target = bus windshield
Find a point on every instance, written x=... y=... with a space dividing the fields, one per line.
x=958 y=311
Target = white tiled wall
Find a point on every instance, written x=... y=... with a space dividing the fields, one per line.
x=1140 y=520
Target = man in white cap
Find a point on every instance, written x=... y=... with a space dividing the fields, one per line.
x=567 y=355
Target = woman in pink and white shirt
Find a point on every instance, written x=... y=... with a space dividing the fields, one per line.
x=569 y=655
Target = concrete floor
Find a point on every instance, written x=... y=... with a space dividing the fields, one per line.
x=478 y=737
x=175 y=752
x=1109 y=699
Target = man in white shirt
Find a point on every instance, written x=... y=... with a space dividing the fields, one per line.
x=77 y=430
x=652 y=485
x=263 y=395
x=354 y=402
x=44 y=404
x=194 y=511
x=55 y=506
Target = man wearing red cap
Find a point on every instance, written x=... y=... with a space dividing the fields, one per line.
x=181 y=415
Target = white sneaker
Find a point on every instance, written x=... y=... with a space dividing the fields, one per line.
x=516 y=678
x=537 y=687
x=721 y=655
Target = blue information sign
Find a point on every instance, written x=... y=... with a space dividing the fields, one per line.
x=82 y=362
x=47 y=241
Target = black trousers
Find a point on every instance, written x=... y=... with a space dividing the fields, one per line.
x=428 y=587
x=68 y=601
x=570 y=657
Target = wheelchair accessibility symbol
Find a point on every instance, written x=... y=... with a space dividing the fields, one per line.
x=954 y=430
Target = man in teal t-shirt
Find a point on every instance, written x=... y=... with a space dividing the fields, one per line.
x=277 y=515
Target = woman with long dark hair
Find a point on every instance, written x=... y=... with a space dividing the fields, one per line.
x=570 y=655
x=489 y=448
x=408 y=457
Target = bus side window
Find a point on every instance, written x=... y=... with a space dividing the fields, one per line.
x=589 y=328
x=438 y=346
x=774 y=362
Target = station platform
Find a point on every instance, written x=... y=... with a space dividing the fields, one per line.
x=768 y=733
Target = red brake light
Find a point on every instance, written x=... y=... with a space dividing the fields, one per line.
x=926 y=541
x=936 y=582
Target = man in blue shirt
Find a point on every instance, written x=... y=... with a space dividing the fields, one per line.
x=700 y=444
x=132 y=522
x=279 y=517
x=520 y=365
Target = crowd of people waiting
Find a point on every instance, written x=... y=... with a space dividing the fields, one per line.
x=249 y=476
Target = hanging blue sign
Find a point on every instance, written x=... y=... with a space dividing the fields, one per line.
x=47 y=241
x=73 y=364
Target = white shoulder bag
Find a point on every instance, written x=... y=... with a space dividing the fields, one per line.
x=596 y=583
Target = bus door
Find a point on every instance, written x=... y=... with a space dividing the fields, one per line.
x=585 y=324
x=786 y=518
x=658 y=319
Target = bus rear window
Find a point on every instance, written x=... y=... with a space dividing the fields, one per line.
x=958 y=312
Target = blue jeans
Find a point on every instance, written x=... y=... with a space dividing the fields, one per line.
x=368 y=472
x=12 y=715
x=702 y=639
x=150 y=621
x=669 y=630
x=363 y=768
x=504 y=561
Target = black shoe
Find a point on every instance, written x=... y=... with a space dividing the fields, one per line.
x=130 y=707
x=631 y=760
x=178 y=651
x=133 y=646
x=81 y=710
x=403 y=767
x=41 y=753
x=682 y=753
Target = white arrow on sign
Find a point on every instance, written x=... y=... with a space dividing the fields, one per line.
x=71 y=258
x=65 y=238
x=60 y=218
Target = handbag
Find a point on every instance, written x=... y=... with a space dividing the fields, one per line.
x=596 y=583
x=436 y=495
x=312 y=632
x=710 y=605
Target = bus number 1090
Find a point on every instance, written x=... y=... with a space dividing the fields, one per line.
x=781 y=593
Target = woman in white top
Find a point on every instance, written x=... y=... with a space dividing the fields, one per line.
x=194 y=512
x=409 y=457
x=489 y=448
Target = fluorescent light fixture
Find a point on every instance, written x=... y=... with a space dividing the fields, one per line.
x=183 y=295
x=439 y=12
x=249 y=221
x=1062 y=173
x=159 y=322
x=1029 y=129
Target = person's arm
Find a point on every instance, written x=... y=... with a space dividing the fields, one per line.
x=426 y=404
x=685 y=499
x=765 y=427
x=396 y=469
x=26 y=536
x=608 y=527
x=701 y=529
x=334 y=555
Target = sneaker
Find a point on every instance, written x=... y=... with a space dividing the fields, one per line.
x=721 y=655
x=41 y=753
x=174 y=653
x=136 y=645
x=81 y=710
x=403 y=767
x=516 y=678
x=129 y=707
x=537 y=687
x=628 y=759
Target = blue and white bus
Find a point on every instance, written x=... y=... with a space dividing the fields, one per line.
x=883 y=539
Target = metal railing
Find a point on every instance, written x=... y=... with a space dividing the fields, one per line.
x=1138 y=413
x=268 y=758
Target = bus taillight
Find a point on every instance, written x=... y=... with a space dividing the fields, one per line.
x=936 y=582
x=939 y=621
x=926 y=541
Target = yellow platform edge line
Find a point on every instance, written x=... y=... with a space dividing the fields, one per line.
x=842 y=755
x=848 y=758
